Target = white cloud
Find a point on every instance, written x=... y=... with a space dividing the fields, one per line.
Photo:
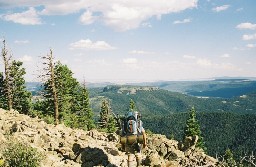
x=99 y=62
x=87 y=18
x=146 y=24
x=251 y=45
x=226 y=55
x=130 y=61
x=182 y=21
x=132 y=64
x=29 y=17
x=227 y=66
x=21 y=41
x=204 y=62
x=120 y=15
x=25 y=58
x=63 y=7
x=221 y=8
x=189 y=57
x=88 y=44
x=239 y=9
x=246 y=26
x=142 y=52
x=249 y=37
x=238 y=48
x=212 y=67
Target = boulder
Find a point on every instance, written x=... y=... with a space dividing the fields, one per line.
x=113 y=137
x=2 y=138
x=189 y=142
x=153 y=159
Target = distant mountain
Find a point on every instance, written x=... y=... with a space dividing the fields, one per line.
x=98 y=85
x=235 y=78
x=224 y=87
x=153 y=101
x=34 y=87
x=220 y=87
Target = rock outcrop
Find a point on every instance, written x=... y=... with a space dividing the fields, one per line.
x=66 y=147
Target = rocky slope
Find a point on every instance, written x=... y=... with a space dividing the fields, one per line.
x=66 y=147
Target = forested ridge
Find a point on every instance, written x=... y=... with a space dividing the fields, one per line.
x=225 y=122
x=163 y=102
x=220 y=130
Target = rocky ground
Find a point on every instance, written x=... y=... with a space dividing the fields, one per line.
x=66 y=147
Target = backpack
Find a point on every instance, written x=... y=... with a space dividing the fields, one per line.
x=131 y=124
x=131 y=129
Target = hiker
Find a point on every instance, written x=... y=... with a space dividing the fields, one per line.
x=133 y=136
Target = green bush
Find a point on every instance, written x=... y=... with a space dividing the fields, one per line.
x=1 y=162
x=111 y=126
x=149 y=132
x=48 y=119
x=21 y=155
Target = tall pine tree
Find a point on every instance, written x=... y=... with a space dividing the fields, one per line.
x=112 y=124
x=192 y=128
x=50 y=91
x=104 y=114
x=21 y=99
x=229 y=160
x=73 y=99
x=66 y=87
x=132 y=106
x=12 y=85
x=82 y=107
x=107 y=120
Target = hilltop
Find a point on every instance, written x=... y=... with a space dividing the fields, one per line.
x=224 y=87
x=63 y=146
x=152 y=101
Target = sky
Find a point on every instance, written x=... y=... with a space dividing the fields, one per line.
x=124 y=41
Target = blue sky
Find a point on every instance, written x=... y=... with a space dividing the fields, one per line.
x=133 y=41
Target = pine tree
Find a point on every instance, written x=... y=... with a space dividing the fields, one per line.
x=82 y=105
x=104 y=114
x=66 y=86
x=132 y=106
x=73 y=99
x=50 y=92
x=229 y=160
x=111 y=126
x=21 y=100
x=192 y=128
x=12 y=85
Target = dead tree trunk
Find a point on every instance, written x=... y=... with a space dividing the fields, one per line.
x=54 y=91
x=7 y=86
x=50 y=74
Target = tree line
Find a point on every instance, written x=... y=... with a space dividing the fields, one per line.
x=63 y=100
